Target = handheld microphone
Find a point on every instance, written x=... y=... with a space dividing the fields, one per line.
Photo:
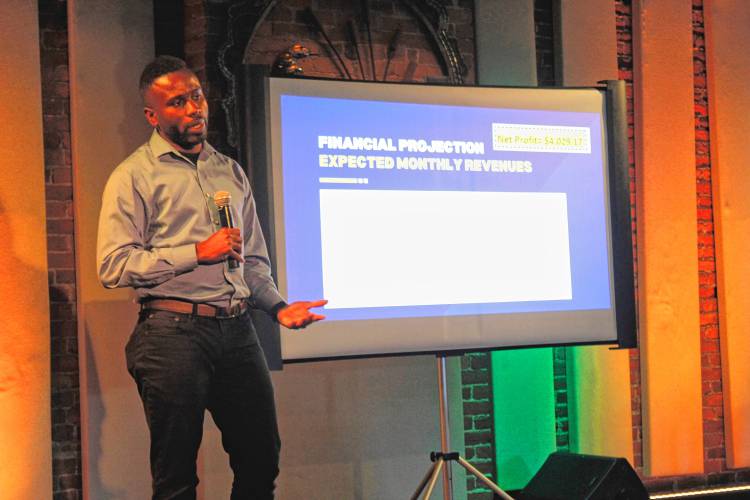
x=223 y=199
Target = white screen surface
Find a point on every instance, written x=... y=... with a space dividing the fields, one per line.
x=440 y=218
x=397 y=234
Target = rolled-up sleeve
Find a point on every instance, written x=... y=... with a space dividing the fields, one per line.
x=123 y=256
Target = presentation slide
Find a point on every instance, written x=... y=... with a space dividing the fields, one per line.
x=394 y=209
x=404 y=210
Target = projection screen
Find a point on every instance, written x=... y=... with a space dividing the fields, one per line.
x=439 y=219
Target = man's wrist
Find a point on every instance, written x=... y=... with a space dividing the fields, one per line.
x=274 y=311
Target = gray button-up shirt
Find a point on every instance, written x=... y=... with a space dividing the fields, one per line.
x=156 y=206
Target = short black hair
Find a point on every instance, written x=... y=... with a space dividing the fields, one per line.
x=159 y=67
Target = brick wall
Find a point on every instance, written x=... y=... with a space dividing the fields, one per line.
x=169 y=33
x=716 y=471
x=479 y=439
x=66 y=448
x=624 y=13
x=544 y=34
x=713 y=416
x=714 y=454
x=205 y=29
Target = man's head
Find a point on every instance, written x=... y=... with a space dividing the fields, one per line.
x=174 y=104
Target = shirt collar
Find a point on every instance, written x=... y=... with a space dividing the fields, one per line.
x=159 y=146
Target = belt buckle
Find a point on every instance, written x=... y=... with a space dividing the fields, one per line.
x=231 y=312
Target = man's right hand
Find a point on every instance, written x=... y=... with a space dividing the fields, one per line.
x=223 y=244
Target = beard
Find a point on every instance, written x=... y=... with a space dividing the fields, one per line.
x=185 y=138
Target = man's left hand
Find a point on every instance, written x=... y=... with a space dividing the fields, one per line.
x=298 y=315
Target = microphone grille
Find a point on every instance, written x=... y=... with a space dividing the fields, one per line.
x=222 y=199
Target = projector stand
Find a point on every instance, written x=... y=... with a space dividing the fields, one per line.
x=443 y=458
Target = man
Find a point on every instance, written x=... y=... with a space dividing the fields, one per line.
x=194 y=347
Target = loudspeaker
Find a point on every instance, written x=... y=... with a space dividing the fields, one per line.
x=569 y=476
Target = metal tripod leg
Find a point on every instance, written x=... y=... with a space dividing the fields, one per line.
x=439 y=460
x=432 y=474
x=473 y=470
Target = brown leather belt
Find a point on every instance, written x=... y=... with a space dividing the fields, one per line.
x=205 y=310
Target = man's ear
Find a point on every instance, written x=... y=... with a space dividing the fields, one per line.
x=150 y=116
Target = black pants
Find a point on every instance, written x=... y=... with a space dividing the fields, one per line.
x=185 y=364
